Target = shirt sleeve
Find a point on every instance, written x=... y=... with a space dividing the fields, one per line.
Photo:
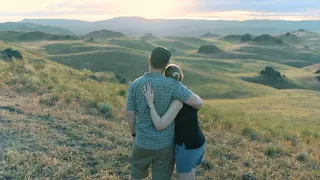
x=182 y=93
x=130 y=100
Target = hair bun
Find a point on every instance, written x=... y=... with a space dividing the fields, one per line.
x=176 y=76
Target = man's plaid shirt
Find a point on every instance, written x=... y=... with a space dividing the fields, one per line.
x=165 y=90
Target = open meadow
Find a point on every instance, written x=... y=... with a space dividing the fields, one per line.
x=62 y=104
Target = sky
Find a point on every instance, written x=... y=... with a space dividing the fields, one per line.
x=94 y=10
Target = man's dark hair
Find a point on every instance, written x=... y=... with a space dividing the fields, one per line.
x=160 y=57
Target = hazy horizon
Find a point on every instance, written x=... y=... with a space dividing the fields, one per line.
x=86 y=10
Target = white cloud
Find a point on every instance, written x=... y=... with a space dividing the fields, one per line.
x=92 y=10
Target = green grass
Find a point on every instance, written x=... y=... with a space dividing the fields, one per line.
x=60 y=122
x=174 y=44
x=139 y=45
x=70 y=48
x=117 y=61
x=210 y=77
x=32 y=36
x=191 y=40
x=284 y=53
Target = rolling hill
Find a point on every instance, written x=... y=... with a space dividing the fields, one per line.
x=226 y=68
x=69 y=123
x=104 y=34
x=62 y=105
x=13 y=26
x=137 y=26
x=22 y=36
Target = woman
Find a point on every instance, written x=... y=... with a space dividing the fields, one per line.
x=189 y=139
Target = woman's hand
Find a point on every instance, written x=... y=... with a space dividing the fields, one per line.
x=148 y=94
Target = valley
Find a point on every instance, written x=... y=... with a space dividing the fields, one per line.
x=62 y=104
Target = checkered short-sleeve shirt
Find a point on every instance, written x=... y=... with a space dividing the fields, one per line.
x=165 y=90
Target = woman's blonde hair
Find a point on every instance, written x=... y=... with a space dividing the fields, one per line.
x=174 y=71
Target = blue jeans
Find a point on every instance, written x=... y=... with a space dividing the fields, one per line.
x=187 y=159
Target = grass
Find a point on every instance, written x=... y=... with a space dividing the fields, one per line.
x=113 y=61
x=210 y=77
x=285 y=53
x=57 y=122
x=174 y=44
x=139 y=45
x=69 y=48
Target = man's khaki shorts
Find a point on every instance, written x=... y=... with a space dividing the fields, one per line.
x=162 y=162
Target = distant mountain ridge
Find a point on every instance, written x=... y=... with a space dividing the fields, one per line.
x=137 y=26
x=27 y=36
x=14 y=26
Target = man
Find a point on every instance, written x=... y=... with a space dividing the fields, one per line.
x=152 y=147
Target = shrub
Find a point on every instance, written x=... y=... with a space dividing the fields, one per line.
x=37 y=63
x=318 y=72
x=17 y=68
x=272 y=151
x=105 y=110
x=9 y=54
x=248 y=176
x=247 y=163
x=306 y=133
x=272 y=73
x=68 y=99
x=49 y=101
x=292 y=138
x=209 y=49
x=246 y=38
x=227 y=125
x=267 y=38
x=39 y=66
x=123 y=93
x=250 y=133
x=302 y=157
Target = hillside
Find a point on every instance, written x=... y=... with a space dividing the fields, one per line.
x=266 y=38
x=21 y=36
x=137 y=26
x=230 y=69
x=104 y=34
x=209 y=35
x=59 y=122
x=12 y=26
x=232 y=38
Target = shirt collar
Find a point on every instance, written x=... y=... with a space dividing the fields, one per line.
x=149 y=74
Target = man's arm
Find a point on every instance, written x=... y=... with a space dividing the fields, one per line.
x=131 y=110
x=195 y=101
x=131 y=119
x=185 y=95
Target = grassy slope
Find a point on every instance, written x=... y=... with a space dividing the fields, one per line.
x=24 y=36
x=198 y=68
x=14 y=26
x=56 y=114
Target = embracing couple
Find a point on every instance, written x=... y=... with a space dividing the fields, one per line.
x=162 y=115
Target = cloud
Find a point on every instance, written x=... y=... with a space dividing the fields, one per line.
x=249 y=15
x=258 y=5
x=193 y=9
